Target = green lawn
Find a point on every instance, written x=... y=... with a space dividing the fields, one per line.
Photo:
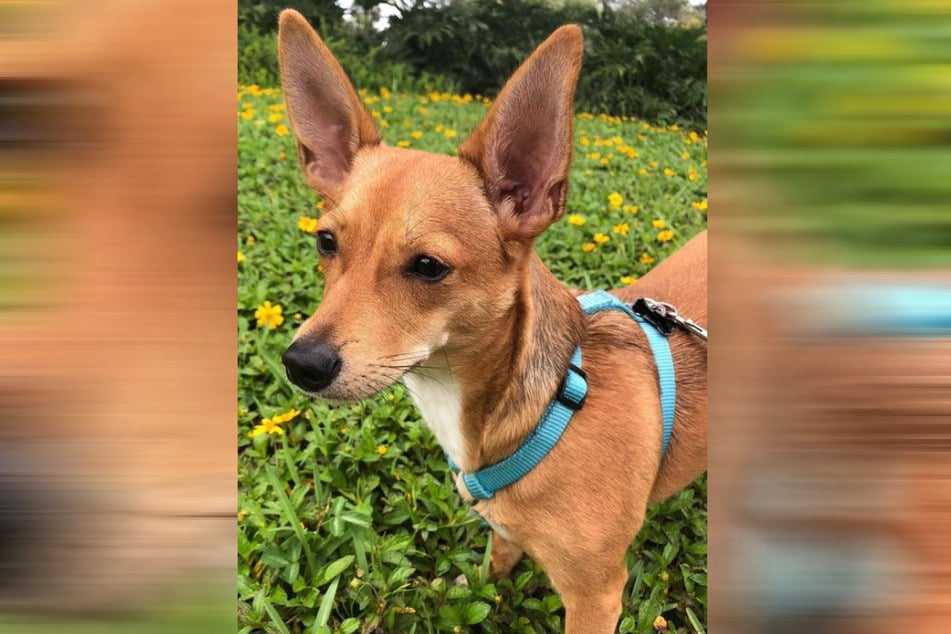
x=349 y=521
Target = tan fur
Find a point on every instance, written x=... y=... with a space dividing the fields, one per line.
x=501 y=323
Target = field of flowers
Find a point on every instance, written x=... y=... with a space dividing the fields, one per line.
x=348 y=518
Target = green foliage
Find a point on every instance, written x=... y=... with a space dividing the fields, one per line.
x=258 y=64
x=633 y=65
x=349 y=521
x=653 y=72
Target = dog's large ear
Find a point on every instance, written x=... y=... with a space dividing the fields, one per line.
x=523 y=147
x=325 y=111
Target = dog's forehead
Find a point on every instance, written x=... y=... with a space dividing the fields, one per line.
x=404 y=186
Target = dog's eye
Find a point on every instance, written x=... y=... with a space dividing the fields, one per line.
x=326 y=243
x=428 y=268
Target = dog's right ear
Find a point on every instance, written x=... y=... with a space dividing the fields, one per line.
x=325 y=111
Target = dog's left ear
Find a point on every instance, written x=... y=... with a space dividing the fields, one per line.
x=523 y=147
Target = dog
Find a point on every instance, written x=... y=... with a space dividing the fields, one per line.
x=432 y=279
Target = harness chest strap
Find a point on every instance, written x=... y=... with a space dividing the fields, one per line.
x=570 y=397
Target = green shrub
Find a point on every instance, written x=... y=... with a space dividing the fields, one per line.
x=258 y=64
x=654 y=72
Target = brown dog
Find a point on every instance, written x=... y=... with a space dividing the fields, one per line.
x=432 y=279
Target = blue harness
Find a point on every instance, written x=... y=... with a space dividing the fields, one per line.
x=569 y=398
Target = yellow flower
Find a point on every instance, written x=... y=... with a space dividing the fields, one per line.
x=286 y=416
x=665 y=236
x=673 y=127
x=692 y=174
x=267 y=426
x=387 y=109
x=685 y=155
x=575 y=220
x=631 y=153
x=631 y=209
x=282 y=155
x=319 y=204
x=601 y=238
x=402 y=143
x=240 y=257
x=250 y=240
x=242 y=515
x=660 y=623
x=615 y=200
x=439 y=127
x=646 y=259
x=642 y=172
x=450 y=133
x=618 y=140
x=416 y=134
x=587 y=247
x=668 y=172
x=628 y=280
x=621 y=229
x=274 y=117
x=594 y=156
x=381 y=450
x=247 y=114
x=658 y=224
x=269 y=315
x=424 y=111
x=606 y=160
x=653 y=164
x=276 y=107
x=281 y=130
x=385 y=92
x=585 y=141
x=700 y=205
x=307 y=224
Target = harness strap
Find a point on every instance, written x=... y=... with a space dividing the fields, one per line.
x=571 y=394
x=600 y=301
x=569 y=398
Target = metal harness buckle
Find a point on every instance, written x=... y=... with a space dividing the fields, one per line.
x=664 y=317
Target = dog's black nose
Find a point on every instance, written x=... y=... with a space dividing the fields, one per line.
x=310 y=365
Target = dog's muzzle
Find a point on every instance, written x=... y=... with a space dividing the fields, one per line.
x=310 y=365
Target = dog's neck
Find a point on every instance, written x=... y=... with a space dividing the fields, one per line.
x=482 y=402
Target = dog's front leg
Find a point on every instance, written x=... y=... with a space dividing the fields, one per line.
x=505 y=555
x=592 y=599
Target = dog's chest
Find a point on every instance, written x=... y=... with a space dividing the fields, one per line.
x=438 y=396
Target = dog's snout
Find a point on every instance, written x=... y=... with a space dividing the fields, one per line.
x=311 y=365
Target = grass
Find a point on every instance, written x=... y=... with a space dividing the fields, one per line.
x=349 y=521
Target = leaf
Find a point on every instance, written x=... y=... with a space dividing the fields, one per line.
x=334 y=569
x=475 y=613
x=326 y=604
x=695 y=622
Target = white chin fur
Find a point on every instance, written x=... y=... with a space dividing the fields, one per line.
x=438 y=396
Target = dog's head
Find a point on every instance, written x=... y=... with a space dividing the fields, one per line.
x=422 y=253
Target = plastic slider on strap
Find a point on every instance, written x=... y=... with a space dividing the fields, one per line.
x=573 y=390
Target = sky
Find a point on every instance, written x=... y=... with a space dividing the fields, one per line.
x=386 y=10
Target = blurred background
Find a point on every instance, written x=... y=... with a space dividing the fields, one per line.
x=117 y=285
x=830 y=375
